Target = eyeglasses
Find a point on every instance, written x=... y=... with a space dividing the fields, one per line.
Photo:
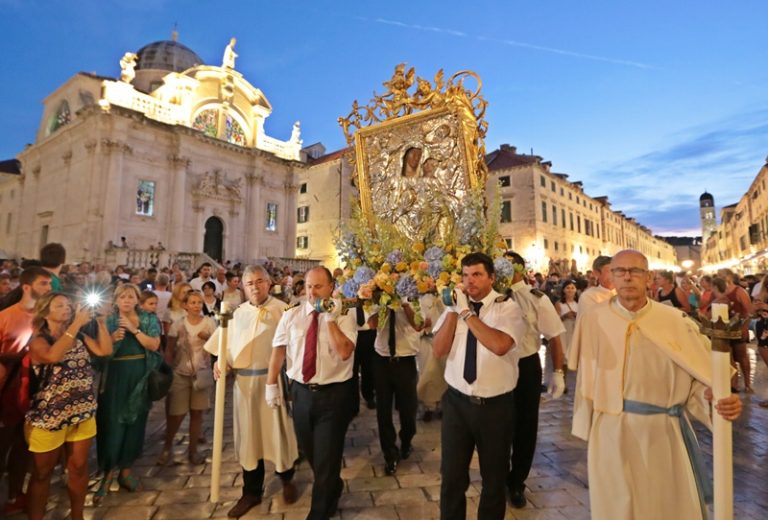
x=634 y=272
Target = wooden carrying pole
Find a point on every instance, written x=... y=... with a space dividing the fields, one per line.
x=722 y=429
x=218 y=417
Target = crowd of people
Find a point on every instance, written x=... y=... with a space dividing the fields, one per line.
x=78 y=344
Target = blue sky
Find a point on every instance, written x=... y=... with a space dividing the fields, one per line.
x=647 y=102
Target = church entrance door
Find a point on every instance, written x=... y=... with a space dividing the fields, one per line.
x=213 y=243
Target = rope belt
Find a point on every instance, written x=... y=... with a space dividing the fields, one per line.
x=251 y=371
x=703 y=484
x=132 y=357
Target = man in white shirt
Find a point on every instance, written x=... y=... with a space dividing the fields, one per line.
x=481 y=372
x=318 y=348
x=204 y=275
x=601 y=292
x=541 y=319
x=395 y=377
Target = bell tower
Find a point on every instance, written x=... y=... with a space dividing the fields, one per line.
x=707 y=215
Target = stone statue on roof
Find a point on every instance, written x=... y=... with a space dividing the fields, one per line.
x=127 y=67
x=230 y=54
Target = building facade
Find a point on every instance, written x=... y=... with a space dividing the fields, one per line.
x=173 y=156
x=740 y=241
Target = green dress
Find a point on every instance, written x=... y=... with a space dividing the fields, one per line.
x=123 y=402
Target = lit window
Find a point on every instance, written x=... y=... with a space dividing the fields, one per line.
x=302 y=214
x=506 y=211
x=302 y=242
x=62 y=117
x=234 y=132
x=271 y=224
x=145 y=198
x=207 y=122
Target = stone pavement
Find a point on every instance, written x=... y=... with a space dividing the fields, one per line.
x=557 y=485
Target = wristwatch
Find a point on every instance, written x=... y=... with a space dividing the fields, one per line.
x=466 y=314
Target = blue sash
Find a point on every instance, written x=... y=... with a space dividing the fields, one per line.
x=703 y=484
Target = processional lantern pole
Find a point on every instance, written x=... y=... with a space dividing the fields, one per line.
x=224 y=316
x=721 y=331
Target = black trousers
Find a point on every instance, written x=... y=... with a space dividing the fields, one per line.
x=466 y=426
x=395 y=379
x=527 y=399
x=363 y=367
x=253 y=480
x=321 y=419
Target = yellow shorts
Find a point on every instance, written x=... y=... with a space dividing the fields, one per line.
x=42 y=441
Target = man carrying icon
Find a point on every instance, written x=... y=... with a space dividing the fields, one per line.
x=318 y=342
x=261 y=432
x=479 y=334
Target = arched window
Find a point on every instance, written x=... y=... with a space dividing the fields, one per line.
x=61 y=117
x=234 y=132
x=207 y=122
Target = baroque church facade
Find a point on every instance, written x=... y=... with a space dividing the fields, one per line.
x=172 y=156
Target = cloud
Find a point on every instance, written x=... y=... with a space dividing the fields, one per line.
x=662 y=188
x=512 y=43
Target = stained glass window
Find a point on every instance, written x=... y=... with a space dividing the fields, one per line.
x=234 y=132
x=62 y=117
x=271 y=216
x=145 y=198
x=207 y=122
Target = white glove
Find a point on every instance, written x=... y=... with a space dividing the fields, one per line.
x=557 y=385
x=335 y=313
x=272 y=396
x=462 y=303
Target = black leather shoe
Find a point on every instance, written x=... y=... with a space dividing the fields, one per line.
x=245 y=504
x=390 y=467
x=405 y=452
x=371 y=404
x=517 y=497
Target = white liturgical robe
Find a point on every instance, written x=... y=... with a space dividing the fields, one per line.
x=638 y=464
x=260 y=432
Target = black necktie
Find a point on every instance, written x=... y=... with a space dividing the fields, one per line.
x=360 y=316
x=392 y=342
x=470 y=357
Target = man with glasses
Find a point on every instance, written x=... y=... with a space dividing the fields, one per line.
x=260 y=432
x=642 y=365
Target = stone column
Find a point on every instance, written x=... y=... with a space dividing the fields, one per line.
x=177 y=195
x=251 y=228
x=114 y=195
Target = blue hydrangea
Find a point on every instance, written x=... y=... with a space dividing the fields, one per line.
x=349 y=289
x=434 y=254
x=395 y=257
x=363 y=274
x=406 y=287
x=434 y=269
x=503 y=268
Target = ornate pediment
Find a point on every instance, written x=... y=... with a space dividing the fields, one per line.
x=216 y=185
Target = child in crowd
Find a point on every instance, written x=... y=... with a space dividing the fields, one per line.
x=148 y=302
x=186 y=355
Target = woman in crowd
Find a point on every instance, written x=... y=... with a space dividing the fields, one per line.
x=186 y=355
x=232 y=293
x=211 y=304
x=705 y=297
x=176 y=307
x=299 y=292
x=177 y=275
x=124 y=403
x=667 y=291
x=568 y=308
x=741 y=304
x=63 y=410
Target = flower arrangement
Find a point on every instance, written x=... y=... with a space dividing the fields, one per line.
x=384 y=269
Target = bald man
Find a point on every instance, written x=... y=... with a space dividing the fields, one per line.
x=643 y=367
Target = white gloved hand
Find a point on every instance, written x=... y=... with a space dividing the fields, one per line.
x=557 y=385
x=462 y=303
x=334 y=314
x=272 y=396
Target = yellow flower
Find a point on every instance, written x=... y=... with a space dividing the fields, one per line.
x=444 y=277
x=401 y=267
x=418 y=248
x=386 y=268
x=422 y=286
x=415 y=266
x=456 y=277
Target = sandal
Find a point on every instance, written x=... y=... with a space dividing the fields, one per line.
x=101 y=492
x=129 y=483
x=164 y=459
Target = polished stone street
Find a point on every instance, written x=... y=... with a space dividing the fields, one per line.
x=557 y=485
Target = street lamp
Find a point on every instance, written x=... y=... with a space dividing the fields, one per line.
x=687 y=264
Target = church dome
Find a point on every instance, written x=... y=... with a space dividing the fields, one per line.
x=706 y=196
x=167 y=55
